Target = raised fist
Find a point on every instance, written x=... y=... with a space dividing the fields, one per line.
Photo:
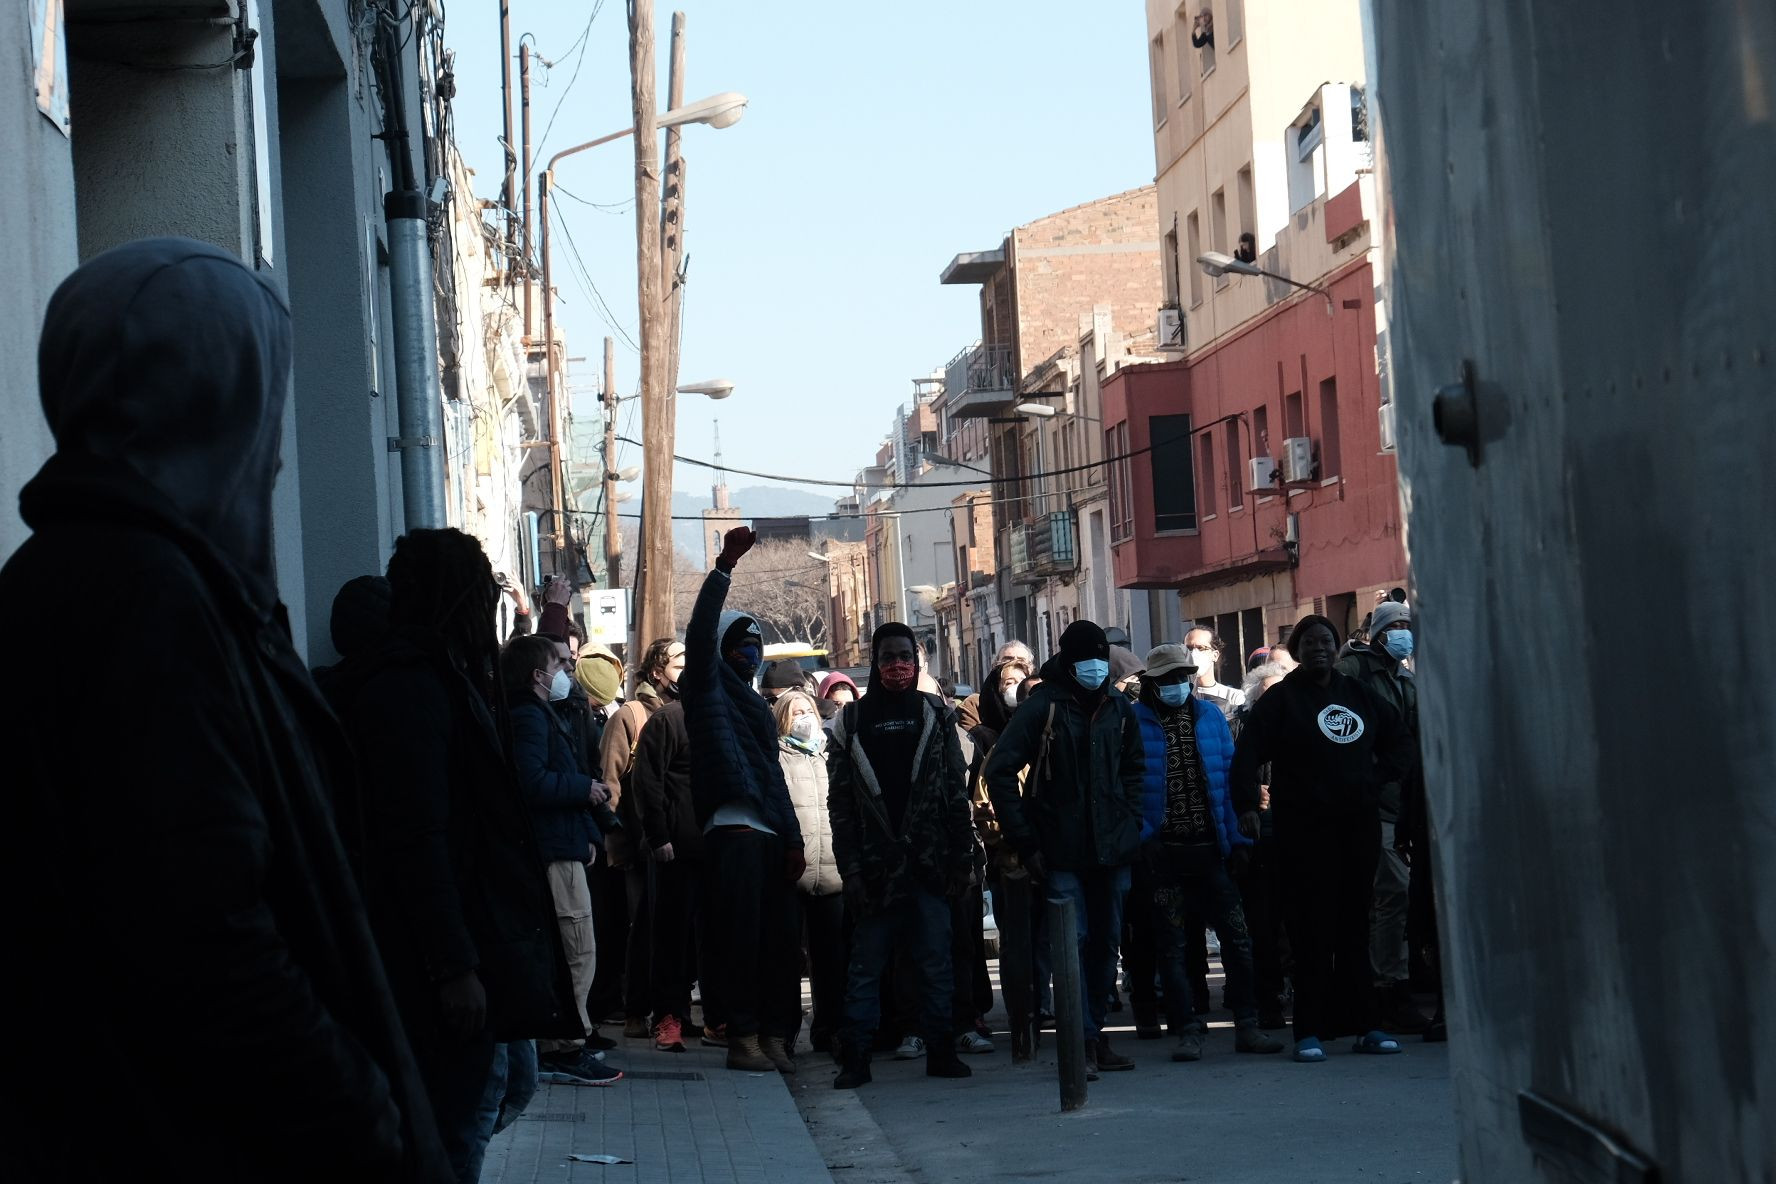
x=735 y=543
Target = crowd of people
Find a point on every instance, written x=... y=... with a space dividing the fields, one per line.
x=406 y=887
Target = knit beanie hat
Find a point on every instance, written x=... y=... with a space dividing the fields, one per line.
x=360 y=615
x=1387 y=613
x=599 y=674
x=1083 y=640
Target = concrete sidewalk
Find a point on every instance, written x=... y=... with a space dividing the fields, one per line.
x=681 y=1117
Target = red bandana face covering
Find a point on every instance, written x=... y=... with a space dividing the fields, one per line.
x=898 y=675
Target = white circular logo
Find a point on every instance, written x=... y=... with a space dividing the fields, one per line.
x=1341 y=725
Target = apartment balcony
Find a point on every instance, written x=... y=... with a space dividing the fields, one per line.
x=980 y=381
x=1043 y=548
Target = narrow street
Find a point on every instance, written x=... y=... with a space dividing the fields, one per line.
x=1227 y=1118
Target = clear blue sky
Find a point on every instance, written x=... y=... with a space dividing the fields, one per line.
x=880 y=141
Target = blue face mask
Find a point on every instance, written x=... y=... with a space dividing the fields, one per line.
x=1398 y=643
x=746 y=659
x=1174 y=694
x=1091 y=673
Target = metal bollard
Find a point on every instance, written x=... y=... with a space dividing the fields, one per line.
x=1063 y=937
x=1017 y=964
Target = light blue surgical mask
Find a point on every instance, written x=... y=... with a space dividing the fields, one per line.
x=1174 y=694
x=1398 y=644
x=560 y=686
x=1091 y=673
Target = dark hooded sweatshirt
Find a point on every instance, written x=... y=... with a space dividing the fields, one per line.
x=237 y=931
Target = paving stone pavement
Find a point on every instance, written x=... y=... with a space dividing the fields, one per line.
x=681 y=1117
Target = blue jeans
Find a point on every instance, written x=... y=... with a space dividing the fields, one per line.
x=510 y=1087
x=1097 y=897
x=921 y=921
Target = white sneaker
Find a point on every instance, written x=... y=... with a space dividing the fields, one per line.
x=911 y=1049
x=974 y=1042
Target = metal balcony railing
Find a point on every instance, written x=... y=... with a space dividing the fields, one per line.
x=1044 y=547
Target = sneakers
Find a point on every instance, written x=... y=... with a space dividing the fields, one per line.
x=1147 y=1028
x=745 y=1054
x=1045 y=1021
x=1190 y=1046
x=911 y=1049
x=1109 y=1061
x=776 y=1050
x=854 y=1069
x=716 y=1037
x=635 y=1027
x=1247 y=1038
x=974 y=1042
x=669 y=1034
x=578 y=1067
x=599 y=1041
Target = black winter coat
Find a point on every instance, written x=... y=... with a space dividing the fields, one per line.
x=458 y=883
x=190 y=863
x=549 y=777
x=1080 y=805
x=934 y=847
x=730 y=724
x=659 y=786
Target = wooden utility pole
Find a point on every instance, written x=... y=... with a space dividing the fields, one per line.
x=613 y=546
x=655 y=615
x=524 y=163
x=672 y=204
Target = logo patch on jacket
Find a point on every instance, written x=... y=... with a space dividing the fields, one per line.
x=1341 y=725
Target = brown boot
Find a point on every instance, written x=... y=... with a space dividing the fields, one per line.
x=744 y=1053
x=1111 y=1062
x=776 y=1050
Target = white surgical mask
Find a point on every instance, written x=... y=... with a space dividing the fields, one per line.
x=1009 y=696
x=1205 y=662
x=559 y=686
x=805 y=727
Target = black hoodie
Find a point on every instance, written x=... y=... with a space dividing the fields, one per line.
x=1330 y=748
x=237 y=923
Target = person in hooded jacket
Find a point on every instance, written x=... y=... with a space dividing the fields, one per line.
x=904 y=840
x=820 y=892
x=1379 y=665
x=459 y=893
x=1189 y=835
x=1076 y=821
x=1331 y=743
x=357 y=624
x=228 y=793
x=753 y=841
x=655 y=685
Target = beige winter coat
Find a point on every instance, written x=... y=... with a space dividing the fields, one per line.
x=805 y=774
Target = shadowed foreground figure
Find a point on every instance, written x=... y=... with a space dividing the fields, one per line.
x=189 y=865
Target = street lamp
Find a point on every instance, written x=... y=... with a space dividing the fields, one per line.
x=819 y=556
x=628 y=474
x=721 y=110
x=714 y=388
x=1217 y=264
x=1044 y=411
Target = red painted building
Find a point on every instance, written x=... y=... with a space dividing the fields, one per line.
x=1193 y=516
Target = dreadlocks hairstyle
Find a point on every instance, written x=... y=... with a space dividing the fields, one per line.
x=442 y=586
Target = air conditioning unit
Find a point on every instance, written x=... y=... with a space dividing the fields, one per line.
x=1298 y=460
x=1387 y=427
x=1261 y=474
x=1171 y=330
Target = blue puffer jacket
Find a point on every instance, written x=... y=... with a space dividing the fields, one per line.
x=1214 y=747
x=732 y=732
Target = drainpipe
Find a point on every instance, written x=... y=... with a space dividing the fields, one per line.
x=418 y=399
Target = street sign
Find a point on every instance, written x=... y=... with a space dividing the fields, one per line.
x=607 y=616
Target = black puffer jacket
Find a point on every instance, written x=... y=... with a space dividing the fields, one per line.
x=189 y=852
x=1080 y=804
x=730 y=724
x=935 y=846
